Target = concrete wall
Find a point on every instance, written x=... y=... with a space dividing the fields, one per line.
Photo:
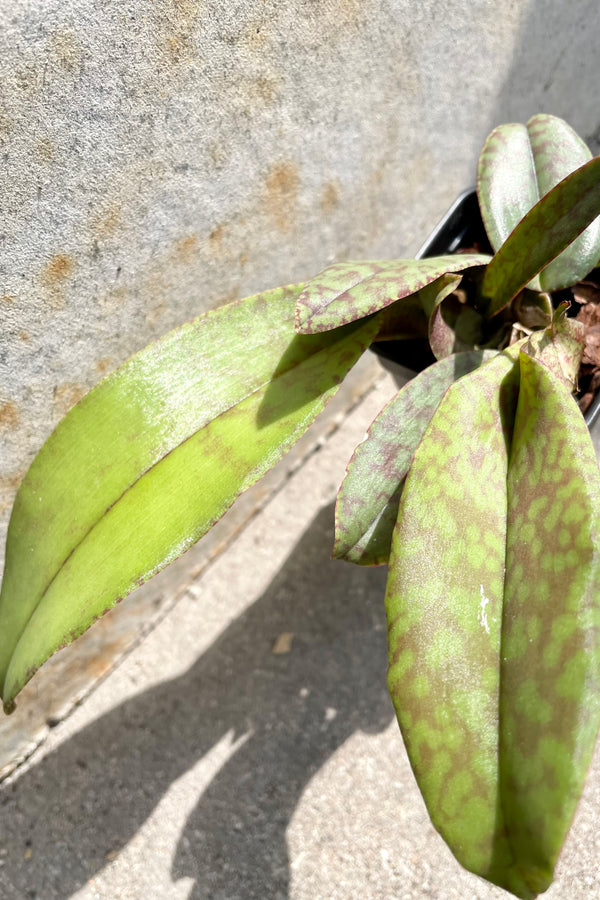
x=160 y=157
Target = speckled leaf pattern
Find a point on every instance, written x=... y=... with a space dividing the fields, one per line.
x=453 y=326
x=494 y=674
x=550 y=670
x=518 y=165
x=367 y=502
x=346 y=292
x=151 y=458
x=507 y=185
x=552 y=224
x=559 y=347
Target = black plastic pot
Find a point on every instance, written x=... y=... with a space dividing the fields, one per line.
x=461 y=227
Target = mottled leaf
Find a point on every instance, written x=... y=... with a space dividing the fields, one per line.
x=453 y=326
x=507 y=186
x=367 y=503
x=518 y=165
x=559 y=347
x=552 y=224
x=494 y=661
x=550 y=671
x=348 y=291
x=151 y=458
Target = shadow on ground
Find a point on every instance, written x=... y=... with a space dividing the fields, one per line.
x=89 y=797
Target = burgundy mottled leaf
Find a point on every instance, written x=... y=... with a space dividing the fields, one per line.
x=552 y=224
x=518 y=165
x=367 y=503
x=493 y=621
x=151 y=458
x=559 y=347
x=453 y=326
x=349 y=291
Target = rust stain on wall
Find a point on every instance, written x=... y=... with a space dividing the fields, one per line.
x=55 y=276
x=105 y=364
x=329 y=198
x=66 y=395
x=265 y=89
x=155 y=315
x=58 y=269
x=7 y=299
x=67 y=50
x=175 y=24
x=215 y=238
x=185 y=248
x=282 y=185
x=44 y=150
x=9 y=416
x=107 y=222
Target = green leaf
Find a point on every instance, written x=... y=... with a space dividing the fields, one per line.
x=150 y=459
x=492 y=618
x=559 y=347
x=518 y=165
x=548 y=228
x=348 y=291
x=367 y=502
x=453 y=326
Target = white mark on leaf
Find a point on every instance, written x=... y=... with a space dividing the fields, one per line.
x=482 y=614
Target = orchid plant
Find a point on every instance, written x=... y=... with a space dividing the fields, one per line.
x=477 y=484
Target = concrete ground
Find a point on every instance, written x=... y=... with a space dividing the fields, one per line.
x=247 y=749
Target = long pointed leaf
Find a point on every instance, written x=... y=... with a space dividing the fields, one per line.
x=367 y=502
x=151 y=458
x=348 y=291
x=494 y=660
x=550 y=669
x=518 y=165
x=552 y=224
x=444 y=608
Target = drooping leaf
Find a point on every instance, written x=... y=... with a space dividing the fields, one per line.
x=518 y=165
x=552 y=224
x=367 y=502
x=550 y=669
x=559 y=347
x=151 y=458
x=494 y=658
x=348 y=291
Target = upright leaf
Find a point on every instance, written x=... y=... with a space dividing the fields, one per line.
x=367 y=502
x=493 y=621
x=444 y=602
x=550 y=658
x=559 y=347
x=552 y=224
x=507 y=185
x=348 y=291
x=518 y=165
x=151 y=458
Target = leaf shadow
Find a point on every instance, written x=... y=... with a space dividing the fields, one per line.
x=311 y=365
x=87 y=799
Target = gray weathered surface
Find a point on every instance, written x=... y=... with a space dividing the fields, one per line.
x=163 y=156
